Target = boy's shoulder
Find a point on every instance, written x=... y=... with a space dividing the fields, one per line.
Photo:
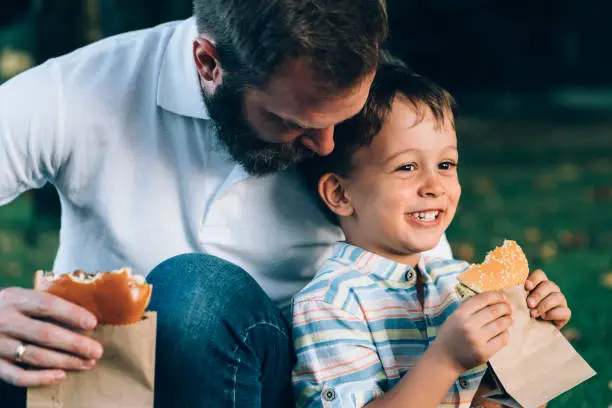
x=443 y=265
x=335 y=278
x=441 y=268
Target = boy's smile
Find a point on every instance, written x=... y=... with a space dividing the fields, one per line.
x=403 y=191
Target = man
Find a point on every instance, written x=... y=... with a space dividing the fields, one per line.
x=179 y=139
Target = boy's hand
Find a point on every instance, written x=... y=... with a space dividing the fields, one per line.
x=475 y=331
x=546 y=300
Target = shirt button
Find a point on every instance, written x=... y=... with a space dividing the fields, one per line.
x=410 y=276
x=329 y=395
x=463 y=383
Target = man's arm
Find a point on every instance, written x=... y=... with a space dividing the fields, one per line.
x=34 y=148
x=32 y=135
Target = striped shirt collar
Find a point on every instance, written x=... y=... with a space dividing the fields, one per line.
x=371 y=263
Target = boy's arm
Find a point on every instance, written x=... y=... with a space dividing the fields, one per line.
x=338 y=364
x=423 y=386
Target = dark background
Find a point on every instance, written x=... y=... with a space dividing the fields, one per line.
x=534 y=84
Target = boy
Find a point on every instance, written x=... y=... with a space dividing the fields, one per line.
x=380 y=325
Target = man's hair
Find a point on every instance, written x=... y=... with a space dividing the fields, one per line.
x=341 y=38
x=392 y=78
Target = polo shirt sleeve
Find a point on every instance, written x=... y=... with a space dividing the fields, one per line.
x=337 y=362
x=32 y=142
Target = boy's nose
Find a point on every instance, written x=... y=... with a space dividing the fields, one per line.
x=432 y=187
x=320 y=141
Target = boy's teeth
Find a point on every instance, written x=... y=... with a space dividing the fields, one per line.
x=426 y=216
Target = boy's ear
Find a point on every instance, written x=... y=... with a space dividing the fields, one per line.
x=335 y=196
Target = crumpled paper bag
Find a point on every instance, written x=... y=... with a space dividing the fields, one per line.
x=122 y=378
x=538 y=363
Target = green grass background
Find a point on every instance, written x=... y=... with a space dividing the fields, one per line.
x=546 y=183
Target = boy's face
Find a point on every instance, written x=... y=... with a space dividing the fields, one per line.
x=404 y=188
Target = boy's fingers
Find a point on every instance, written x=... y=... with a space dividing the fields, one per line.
x=550 y=302
x=499 y=341
x=535 y=278
x=491 y=313
x=541 y=291
x=482 y=300
x=559 y=316
x=496 y=327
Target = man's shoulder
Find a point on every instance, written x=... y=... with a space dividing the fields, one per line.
x=113 y=65
x=131 y=42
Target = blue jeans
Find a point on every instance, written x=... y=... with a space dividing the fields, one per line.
x=221 y=341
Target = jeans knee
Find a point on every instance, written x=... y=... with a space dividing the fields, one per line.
x=205 y=290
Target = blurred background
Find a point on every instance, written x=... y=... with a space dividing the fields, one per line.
x=534 y=84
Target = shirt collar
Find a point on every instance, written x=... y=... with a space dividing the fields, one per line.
x=178 y=88
x=371 y=263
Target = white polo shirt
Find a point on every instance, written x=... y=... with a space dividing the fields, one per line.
x=121 y=130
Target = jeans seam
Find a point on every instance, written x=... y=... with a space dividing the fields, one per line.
x=244 y=339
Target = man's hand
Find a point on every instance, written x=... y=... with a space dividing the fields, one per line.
x=475 y=331
x=545 y=299
x=44 y=324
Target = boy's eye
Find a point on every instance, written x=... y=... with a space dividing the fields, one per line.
x=447 y=165
x=407 y=167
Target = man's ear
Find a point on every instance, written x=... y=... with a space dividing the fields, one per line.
x=207 y=62
x=334 y=194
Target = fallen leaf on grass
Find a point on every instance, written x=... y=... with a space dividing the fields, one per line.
x=571 y=334
x=548 y=250
x=606 y=280
x=533 y=235
x=465 y=251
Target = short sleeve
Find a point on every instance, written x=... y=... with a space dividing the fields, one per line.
x=337 y=362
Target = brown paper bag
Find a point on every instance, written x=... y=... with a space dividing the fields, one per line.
x=537 y=364
x=123 y=378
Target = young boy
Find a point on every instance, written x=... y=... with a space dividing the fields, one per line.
x=380 y=325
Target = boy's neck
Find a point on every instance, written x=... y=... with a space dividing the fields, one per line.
x=408 y=259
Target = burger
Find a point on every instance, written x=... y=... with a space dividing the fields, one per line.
x=503 y=267
x=114 y=297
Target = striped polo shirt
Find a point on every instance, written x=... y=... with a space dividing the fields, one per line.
x=358 y=327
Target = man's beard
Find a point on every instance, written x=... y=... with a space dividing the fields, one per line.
x=258 y=157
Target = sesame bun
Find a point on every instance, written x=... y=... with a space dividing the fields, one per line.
x=114 y=297
x=504 y=267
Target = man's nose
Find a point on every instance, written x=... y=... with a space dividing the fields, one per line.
x=320 y=141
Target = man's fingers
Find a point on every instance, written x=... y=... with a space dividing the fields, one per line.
x=48 y=335
x=559 y=316
x=44 y=305
x=543 y=290
x=19 y=377
x=535 y=278
x=34 y=356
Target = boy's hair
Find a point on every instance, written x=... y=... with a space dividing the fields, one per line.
x=393 y=77
x=342 y=38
